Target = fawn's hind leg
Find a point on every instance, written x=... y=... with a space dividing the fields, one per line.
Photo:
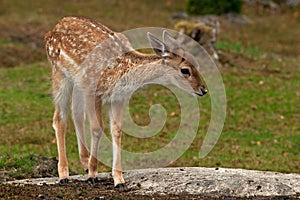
x=78 y=116
x=62 y=88
x=93 y=110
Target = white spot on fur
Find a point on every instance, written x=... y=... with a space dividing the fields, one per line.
x=50 y=50
x=69 y=59
x=111 y=36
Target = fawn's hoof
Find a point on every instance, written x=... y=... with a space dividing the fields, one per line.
x=63 y=181
x=93 y=180
x=121 y=187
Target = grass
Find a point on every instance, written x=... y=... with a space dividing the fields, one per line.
x=237 y=47
x=17 y=166
x=262 y=128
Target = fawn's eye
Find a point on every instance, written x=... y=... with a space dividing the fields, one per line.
x=185 y=71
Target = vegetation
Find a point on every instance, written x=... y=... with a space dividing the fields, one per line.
x=262 y=78
x=218 y=7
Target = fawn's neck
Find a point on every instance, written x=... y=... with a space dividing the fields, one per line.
x=146 y=68
x=137 y=70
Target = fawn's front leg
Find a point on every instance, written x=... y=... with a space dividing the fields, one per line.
x=93 y=109
x=116 y=118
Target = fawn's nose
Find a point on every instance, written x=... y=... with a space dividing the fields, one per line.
x=202 y=90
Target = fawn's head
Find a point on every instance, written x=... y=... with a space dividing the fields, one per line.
x=182 y=70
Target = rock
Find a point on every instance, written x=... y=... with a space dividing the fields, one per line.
x=269 y=4
x=237 y=19
x=292 y=3
x=236 y=183
x=179 y=15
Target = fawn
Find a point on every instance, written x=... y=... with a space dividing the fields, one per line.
x=88 y=71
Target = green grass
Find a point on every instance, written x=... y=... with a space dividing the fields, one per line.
x=262 y=128
x=25 y=110
x=237 y=47
x=17 y=166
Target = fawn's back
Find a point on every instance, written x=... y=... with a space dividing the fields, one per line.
x=77 y=47
x=76 y=37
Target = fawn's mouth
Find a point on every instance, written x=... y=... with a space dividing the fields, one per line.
x=198 y=94
x=201 y=93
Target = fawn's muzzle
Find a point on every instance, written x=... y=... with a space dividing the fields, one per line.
x=202 y=91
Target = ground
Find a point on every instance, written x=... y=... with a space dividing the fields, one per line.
x=163 y=183
x=102 y=190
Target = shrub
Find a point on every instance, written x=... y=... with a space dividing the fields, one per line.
x=218 y=7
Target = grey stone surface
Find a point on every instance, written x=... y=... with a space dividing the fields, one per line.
x=197 y=180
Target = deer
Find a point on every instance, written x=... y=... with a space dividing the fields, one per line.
x=88 y=72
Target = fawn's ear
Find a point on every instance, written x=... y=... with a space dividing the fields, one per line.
x=158 y=46
x=172 y=42
x=168 y=39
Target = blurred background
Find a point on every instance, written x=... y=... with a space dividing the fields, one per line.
x=257 y=45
